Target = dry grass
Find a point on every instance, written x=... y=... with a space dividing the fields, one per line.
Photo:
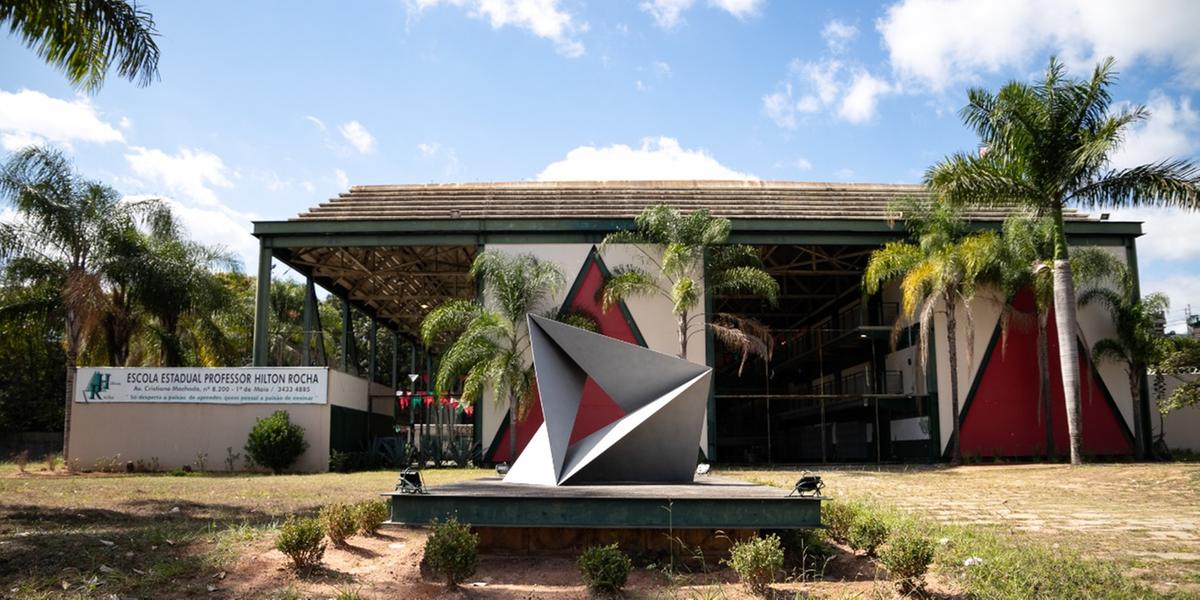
x=1144 y=516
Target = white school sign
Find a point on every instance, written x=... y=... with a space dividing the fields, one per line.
x=247 y=385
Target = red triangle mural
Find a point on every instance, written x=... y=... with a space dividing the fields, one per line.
x=596 y=408
x=1003 y=416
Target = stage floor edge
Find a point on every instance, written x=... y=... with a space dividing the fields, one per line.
x=708 y=503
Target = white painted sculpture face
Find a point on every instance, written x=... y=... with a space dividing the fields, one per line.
x=663 y=398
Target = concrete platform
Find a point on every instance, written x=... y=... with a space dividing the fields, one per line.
x=710 y=503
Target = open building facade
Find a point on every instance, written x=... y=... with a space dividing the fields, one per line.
x=836 y=390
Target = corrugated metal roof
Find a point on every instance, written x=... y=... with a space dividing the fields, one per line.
x=623 y=199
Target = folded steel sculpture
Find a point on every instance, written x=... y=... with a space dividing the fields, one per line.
x=663 y=398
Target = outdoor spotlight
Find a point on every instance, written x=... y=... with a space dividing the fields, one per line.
x=808 y=485
x=502 y=469
x=862 y=335
x=703 y=468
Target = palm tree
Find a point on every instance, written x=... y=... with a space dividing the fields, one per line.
x=939 y=266
x=687 y=252
x=85 y=38
x=1136 y=345
x=1026 y=262
x=1046 y=146
x=493 y=337
x=180 y=293
x=64 y=235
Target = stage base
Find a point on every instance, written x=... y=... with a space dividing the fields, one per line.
x=706 y=514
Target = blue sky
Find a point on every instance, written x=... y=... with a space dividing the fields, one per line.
x=266 y=108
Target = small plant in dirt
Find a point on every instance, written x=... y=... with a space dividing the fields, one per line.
x=370 y=515
x=806 y=550
x=231 y=459
x=22 y=459
x=201 y=462
x=452 y=551
x=868 y=532
x=757 y=561
x=839 y=516
x=907 y=555
x=338 y=522
x=604 y=569
x=275 y=442
x=302 y=541
x=52 y=462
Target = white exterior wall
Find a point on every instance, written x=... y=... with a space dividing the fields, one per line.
x=1182 y=426
x=175 y=433
x=652 y=314
x=1094 y=324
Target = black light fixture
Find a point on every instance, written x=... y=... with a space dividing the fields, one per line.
x=703 y=468
x=809 y=485
x=502 y=469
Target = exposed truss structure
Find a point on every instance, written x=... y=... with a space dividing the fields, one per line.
x=397 y=283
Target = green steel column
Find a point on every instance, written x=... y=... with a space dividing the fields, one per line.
x=347 y=335
x=395 y=360
x=310 y=300
x=372 y=348
x=1142 y=402
x=262 y=305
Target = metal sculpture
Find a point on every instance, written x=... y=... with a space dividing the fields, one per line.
x=663 y=398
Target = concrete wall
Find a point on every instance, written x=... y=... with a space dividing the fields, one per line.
x=176 y=432
x=1094 y=324
x=652 y=314
x=1182 y=427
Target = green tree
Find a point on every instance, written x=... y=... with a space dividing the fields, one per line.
x=1179 y=357
x=180 y=293
x=85 y=38
x=681 y=254
x=63 y=236
x=1027 y=261
x=940 y=265
x=1136 y=345
x=31 y=323
x=489 y=341
x=1046 y=146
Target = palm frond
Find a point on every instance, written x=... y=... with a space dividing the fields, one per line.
x=626 y=282
x=1167 y=183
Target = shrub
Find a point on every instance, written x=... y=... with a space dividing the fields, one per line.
x=22 y=459
x=369 y=515
x=839 y=516
x=275 y=442
x=756 y=561
x=338 y=522
x=52 y=462
x=452 y=550
x=807 y=549
x=868 y=532
x=907 y=555
x=302 y=541
x=604 y=568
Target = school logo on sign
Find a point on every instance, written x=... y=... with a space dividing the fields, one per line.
x=98 y=383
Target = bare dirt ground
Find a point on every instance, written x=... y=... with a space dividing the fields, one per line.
x=209 y=535
x=1145 y=514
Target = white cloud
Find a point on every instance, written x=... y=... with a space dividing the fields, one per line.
x=1170 y=234
x=848 y=91
x=221 y=226
x=308 y=186
x=29 y=117
x=862 y=98
x=838 y=35
x=656 y=158
x=125 y=123
x=342 y=181
x=937 y=43
x=1171 y=131
x=668 y=14
x=738 y=8
x=358 y=136
x=435 y=151
x=661 y=69
x=319 y=124
x=641 y=87
x=190 y=173
x=844 y=173
x=543 y=18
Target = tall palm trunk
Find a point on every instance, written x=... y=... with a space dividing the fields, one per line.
x=1043 y=349
x=683 y=319
x=952 y=338
x=74 y=330
x=1135 y=389
x=1068 y=349
x=512 y=428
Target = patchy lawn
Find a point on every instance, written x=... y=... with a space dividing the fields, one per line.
x=1144 y=516
x=210 y=535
